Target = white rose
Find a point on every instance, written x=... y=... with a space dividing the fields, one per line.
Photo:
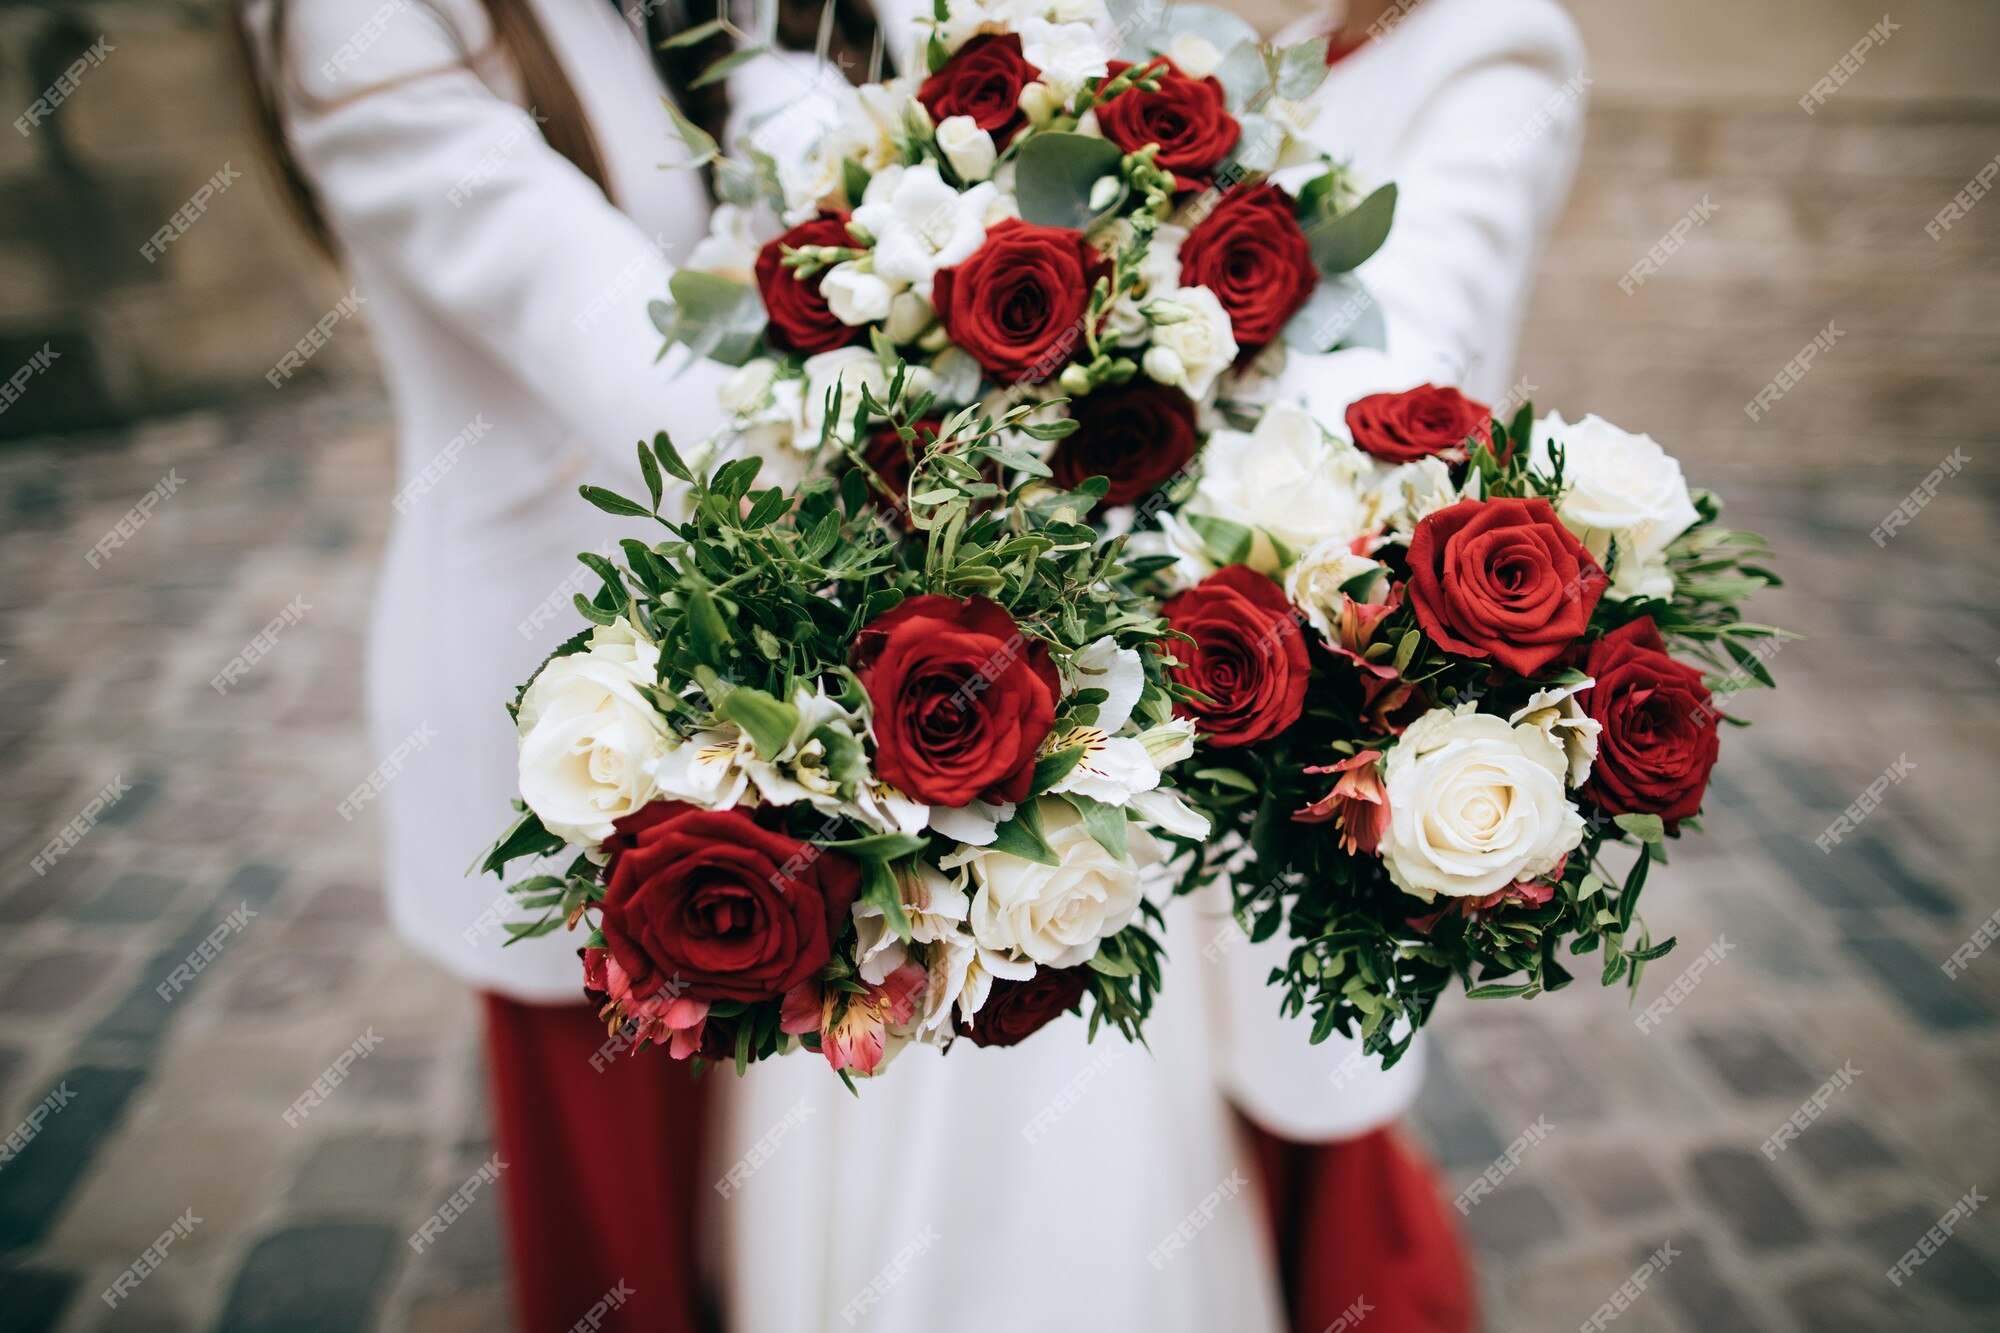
x=1198 y=335
x=968 y=148
x=1555 y=712
x=588 y=736
x=1475 y=804
x=729 y=248
x=1411 y=492
x=1067 y=54
x=1194 y=54
x=748 y=387
x=1055 y=915
x=1287 y=480
x=1621 y=490
x=1319 y=583
x=854 y=295
x=852 y=368
x=920 y=224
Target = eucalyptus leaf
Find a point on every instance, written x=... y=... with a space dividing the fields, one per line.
x=1330 y=315
x=1342 y=243
x=1053 y=176
x=716 y=317
x=1257 y=144
x=1302 y=69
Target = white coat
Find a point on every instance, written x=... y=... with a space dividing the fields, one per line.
x=1051 y=1186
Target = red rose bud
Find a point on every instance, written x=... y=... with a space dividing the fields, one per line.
x=799 y=318
x=1249 y=657
x=1016 y=1010
x=1660 y=727
x=710 y=905
x=1419 y=423
x=984 y=81
x=1017 y=307
x=1503 y=580
x=962 y=699
x=1251 y=253
x=1136 y=437
x=1188 y=118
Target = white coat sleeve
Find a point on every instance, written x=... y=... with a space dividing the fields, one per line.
x=1482 y=174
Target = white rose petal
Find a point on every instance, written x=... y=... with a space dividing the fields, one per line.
x=1290 y=481
x=1475 y=805
x=589 y=736
x=1055 y=915
x=1196 y=56
x=1621 y=490
x=852 y=368
x=748 y=387
x=1316 y=582
x=968 y=148
x=1067 y=54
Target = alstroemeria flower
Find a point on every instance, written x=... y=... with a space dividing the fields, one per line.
x=855 y=1030
x=665 y=1018
x=1357 y=805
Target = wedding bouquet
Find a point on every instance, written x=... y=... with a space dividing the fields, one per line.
x=1069 y=206
x=1432 y=673
x=824 y=784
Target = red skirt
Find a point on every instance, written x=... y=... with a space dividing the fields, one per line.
x=601 y=1220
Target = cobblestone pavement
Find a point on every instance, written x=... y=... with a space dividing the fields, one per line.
x=163 y=1030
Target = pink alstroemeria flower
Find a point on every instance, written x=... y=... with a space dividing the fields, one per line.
x=854 y=1032
x=664 y=1018
x=1357 y=805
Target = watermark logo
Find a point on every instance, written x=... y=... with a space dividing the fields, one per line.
x=385 y=772
x=17 y=383
x=318 y=336
x=1630 y=1290
x=86 y=819
x=189 y=213
x=1933 y=1240
x=335 y=1074
x=1919 y=499
x=890 y=1274
x=1683 y=985
x=1667 y=246
x=1811 y=1109
x=255 y=651
x=1793 y=371
x=447 y=458
x=204 y=953
x=456 y=1204
x=1197 y=1219
x=763 y=1150
x=58 y=92
x=1848 y=65
x=1864 y=804
x=25 y=1132
x=1502 y=1166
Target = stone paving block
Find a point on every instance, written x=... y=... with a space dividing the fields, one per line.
x=52 y=983
x=37 y=1183
x=1513 y=1220
x=1879 y=859
x=358 y=1172
x=1959 y=1270
x=161 y=1165
x=1750 y=1198
x=1752 y=1062
x=1452 y=1121
x=1693 y=1284
x=1617 y=1183
x=278 y=982
x=326 y=1278
x=1915 y=979
x=133 y=896
x=475 y=1310
x=1843 y=1301
x=1836 y=1149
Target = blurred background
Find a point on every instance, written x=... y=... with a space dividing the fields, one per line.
x=1718 y=228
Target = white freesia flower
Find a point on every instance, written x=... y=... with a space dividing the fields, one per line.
x=1476 y=804
x=968 y=148
x=1287 y=480
x=909 y=315
x=1068 y=54
x=1038 y=102
x=1555 y=712
x=1103 y=665
x=852 y=368
x=854 y=295
x=588 y=735
x=1196 y=346
x=920 y=224
x=1319 y=581
x=1620 y=489
x=729 y=249
x=1055 y=915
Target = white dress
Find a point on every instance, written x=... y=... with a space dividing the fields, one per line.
x=1053 y=1186
x=1064 y=1186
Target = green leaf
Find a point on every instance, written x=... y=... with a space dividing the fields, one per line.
x=1257 y=144
x=854 y=180
x=1337 y=307
x=1302 y=69
x=613 y=503
x=726 y=66
x=877 y=846
x=1053 y=176
x=1646 y=828
x=1406 y=648
x=700 y=143
x=696 y=35
x=1230 y=543
x=1105 y=822
x=715 y=317
x=670 y=458
x=1340 y=244
x=708 y=633
x=878 y=886
x=526 y=838
x=1053 y=768
x=649 y=468
x=768 y=722
x=1496 y=990
x=1022 y=836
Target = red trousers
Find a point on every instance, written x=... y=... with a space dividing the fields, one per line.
x=601 y=1218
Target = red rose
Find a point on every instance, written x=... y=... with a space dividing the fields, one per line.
x=983 y=81
x=1016 y=1010
x=800 y=320
x=962 y=699
x=1017 y=306
x=712 y=906
x=1188 y=118
x=1137 y=437
x=1249 y=657
x=1251 y=253
x=1502 y=579
x=1659 y=722
x=1418 y=423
